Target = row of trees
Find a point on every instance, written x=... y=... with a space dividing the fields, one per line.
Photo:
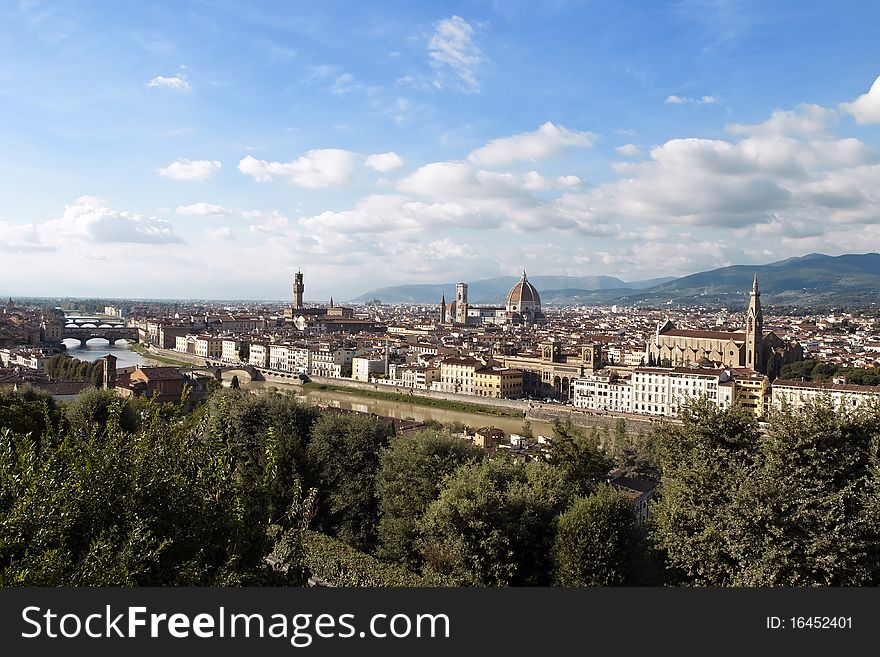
x=818 y=370
x=62 y=366
x=127 y=492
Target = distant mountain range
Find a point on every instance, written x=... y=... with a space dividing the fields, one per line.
x=813 y=279
x=494 y=290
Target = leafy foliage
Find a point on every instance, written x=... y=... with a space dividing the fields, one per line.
x=338 y=564
x=28 y=410
x=115 y=508
x=579 y=457
x=343 y=456
x=597 y=541
x=797 y=507
x=62 y=366
x=492 y=524
x=411 y=471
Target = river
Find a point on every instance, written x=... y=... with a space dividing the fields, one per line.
x=405 y=411
x=98 y=348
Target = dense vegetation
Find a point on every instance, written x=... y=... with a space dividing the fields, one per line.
x=406 y=398
x=110 y=491
x=820 y=370
x=64 y=367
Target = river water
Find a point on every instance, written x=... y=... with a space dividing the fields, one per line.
x=98 y=348
x=405 y=411
x=126 y=357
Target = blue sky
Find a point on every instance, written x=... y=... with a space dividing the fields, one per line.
x=210 y=148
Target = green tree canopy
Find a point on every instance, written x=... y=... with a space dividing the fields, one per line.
x=794 y=507
x=579 y=457
x=597 y=541
x=411 y=471
x=343 y=456
x=493 y=523
x=161 y=506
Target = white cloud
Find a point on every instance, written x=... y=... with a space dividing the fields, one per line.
x=221 y=233
x=344 y=84
x=317 y=168
x=569 y=181
x=185 y=169
x=549 y=140
x=175 y=82
x=22 y=238
x=866 y=108
x=203 y=209
x=454 y=55
x=384 y=162
x=89 y=219
x=672 y=99
x=628 y=150
x=275 y=223
x=808 y=120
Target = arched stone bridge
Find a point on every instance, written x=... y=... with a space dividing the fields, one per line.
x=221 y=371
x=109 y=333
x=94 y=321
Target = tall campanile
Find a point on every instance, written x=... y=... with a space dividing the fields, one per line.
x=755 y=330
x=297 y=290
x=461 y=303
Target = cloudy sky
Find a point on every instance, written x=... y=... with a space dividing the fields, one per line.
x=210 y=148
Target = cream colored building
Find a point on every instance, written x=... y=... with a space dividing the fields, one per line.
x=229 y=351
x=258 y=354
x=498 y=382
x=457 y=375
x=663 y=391
x=603 y=391
x=552 y=373
x=209 y=346
x=797 y=394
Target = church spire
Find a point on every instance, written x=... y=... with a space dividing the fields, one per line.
x=755 y=330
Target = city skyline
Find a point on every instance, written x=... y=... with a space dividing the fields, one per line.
x=217 y=148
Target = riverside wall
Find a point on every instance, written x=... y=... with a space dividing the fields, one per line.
x=530 y=410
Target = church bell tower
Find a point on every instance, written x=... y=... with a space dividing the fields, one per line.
x=755 y=330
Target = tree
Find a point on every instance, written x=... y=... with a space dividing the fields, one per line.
x=797 y=507
x=28 y=410
x=411 y=470
x=702 y=462
x=90 y=411
x=492 y=524
x=268 y=432
x=596 y=541
x=235 y=384
x=343 y=456
x=810 y=517
x=244 y=352
x=579 y=457
x=162 y=506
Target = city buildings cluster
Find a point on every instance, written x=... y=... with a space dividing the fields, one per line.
x=599 y=359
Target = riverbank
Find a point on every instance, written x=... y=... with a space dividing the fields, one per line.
x=416 y=400
x=146 y=352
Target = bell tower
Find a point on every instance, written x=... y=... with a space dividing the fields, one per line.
x=755 y=330
x=461 y=303
x=298 y=290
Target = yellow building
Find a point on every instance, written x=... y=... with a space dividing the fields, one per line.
x=552 y=373
x=457 y=375
x=498 y=382
x=751 y=391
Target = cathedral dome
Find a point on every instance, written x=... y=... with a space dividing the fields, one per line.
x=523 y=297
